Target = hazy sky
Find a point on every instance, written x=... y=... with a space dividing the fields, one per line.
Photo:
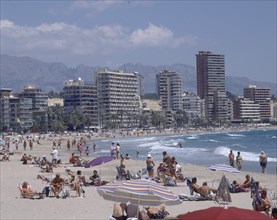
x=110 y=33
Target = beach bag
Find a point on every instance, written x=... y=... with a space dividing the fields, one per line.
x=46 y=191
x=170 y=182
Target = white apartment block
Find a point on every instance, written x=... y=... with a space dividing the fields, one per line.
x=193 y=105
x=118 y=98
x=245 y=109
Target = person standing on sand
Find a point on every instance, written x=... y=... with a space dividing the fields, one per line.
x=231 y=158
x=150 y=166
x=239 y=161
x=263 y=161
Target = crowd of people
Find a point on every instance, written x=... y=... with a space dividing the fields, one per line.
x=168 y=171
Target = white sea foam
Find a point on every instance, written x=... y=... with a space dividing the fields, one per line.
x=236 y=135
x=193 y=137
x=239 y=145
x=149 y=144
x=274 y=137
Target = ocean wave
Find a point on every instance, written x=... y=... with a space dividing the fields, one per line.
x=239 y=145
x=210 y=140
x=193 y=137
x=235 y=135
x=149 y=144
x=274 y=137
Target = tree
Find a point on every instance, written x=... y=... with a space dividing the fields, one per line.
x=181 y=118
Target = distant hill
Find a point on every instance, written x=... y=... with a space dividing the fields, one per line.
x=16 y=72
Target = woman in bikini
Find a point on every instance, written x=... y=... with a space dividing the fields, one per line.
x=150 y=166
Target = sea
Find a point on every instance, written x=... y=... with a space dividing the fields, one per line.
x=203 y=149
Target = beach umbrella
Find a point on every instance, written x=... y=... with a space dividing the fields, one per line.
x=222 y=194
x=138 y=192
x=98 y=161
x=220 y=213
x=224 y=168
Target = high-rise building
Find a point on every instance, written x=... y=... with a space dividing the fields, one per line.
x=260 y=96
x=211 y=84
x=81 y=97
x=39 y=105
x=169 y=88
x=118 y=98
x=39 y=98
x=15 y=113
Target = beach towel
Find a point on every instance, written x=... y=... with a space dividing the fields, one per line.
x=195 y=197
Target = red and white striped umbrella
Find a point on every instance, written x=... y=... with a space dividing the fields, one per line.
x=138 y=192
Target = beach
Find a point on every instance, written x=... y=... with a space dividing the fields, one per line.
x=93 y=206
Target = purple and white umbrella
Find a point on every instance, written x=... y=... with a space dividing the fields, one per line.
x=98 y=161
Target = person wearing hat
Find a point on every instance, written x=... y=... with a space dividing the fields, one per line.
x=263 y=161
x=150 y=166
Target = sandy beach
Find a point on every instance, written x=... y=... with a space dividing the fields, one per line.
x=94 y=206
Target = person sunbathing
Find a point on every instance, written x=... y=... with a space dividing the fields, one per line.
x=203 y=190
x=119 y=210
x=74 y=184
x=247 y=182
x=24 y=159
x=236 y=187
x=27 y=191
x=57 y=184
x=5 y=157
x=95 y=178
x=265 y=203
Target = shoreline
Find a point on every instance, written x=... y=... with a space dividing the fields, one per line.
x=93 y=206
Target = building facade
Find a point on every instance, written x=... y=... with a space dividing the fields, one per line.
x=193 y=105
x=260 y=96
x=246 y=110
x=15 y=113
x=211 y=85
x=82 y=98
x=39 y=105
x=169 y=88
x=118 y=98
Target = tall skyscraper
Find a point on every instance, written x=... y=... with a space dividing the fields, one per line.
x=169 y=87
x=211 y=84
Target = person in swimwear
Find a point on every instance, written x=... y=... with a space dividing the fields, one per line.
x=150 y=166
x=263 y=161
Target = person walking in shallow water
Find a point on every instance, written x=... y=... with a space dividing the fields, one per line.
x=263 y=161
x=239 y=161
x=231 y=158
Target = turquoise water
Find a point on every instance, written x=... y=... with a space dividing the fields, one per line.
x=202 y=148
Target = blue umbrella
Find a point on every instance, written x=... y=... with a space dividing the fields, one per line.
x=98 y=161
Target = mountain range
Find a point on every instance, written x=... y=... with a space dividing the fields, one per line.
x=17 y=72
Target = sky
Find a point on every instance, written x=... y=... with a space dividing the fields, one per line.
x=111 y=33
